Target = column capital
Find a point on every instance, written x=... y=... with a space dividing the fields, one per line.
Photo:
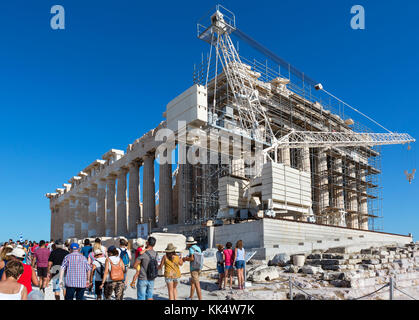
x=111 y=177
x=122 y=171
x=149 y=155
x=135 y=163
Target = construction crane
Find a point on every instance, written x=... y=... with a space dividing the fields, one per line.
x=252 y=115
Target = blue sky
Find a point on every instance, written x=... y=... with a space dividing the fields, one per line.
x=68 y=96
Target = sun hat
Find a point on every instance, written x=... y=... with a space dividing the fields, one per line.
x=74 y=246
x=18 y=253
x=140 y=242
x=190 y=240
x=170 y=248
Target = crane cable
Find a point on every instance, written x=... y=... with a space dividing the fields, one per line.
x=259 y=47
x=356 y=110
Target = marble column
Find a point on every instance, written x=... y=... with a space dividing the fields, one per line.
x=52 y=224
x=71 y=230
x=101 y=209
x=363 y=202
x=305 y=160
x=77 y=218
x=286 y=156
x=58 y=223
x=165 y=194
x=184 y=192
x=84 y=212
x=58 y=234
x=134 y=198
x=121 y=209
x=149 y=200
x=65 y=208
x=339 y=200
x=324 y=185
x=110 y=206
x=92 y=220
x=62 y=220
x=353 y=199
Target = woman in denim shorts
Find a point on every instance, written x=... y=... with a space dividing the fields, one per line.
x=171 y=262
x=239 y=262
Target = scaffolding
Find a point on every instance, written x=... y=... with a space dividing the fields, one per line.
x=294 y=137
x=346 y=185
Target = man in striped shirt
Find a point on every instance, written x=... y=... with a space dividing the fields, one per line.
x=76 y=270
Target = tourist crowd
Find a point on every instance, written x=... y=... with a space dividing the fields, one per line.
x=73 y=269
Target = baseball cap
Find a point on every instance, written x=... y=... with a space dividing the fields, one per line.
x=111 y=248
x=17 y=252
x=98 y=251
x=74 y=246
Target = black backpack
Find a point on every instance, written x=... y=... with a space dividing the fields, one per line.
x=152 y=269
x=102 y=268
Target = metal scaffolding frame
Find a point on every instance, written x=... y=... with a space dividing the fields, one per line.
x=344 y=155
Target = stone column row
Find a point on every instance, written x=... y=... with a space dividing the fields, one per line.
x=104 y=209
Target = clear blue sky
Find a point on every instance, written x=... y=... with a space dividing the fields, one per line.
x=69 y=96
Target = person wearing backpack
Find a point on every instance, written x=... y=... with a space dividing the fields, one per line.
x=125 y=255
x=115 y=269
x=54 y=265
x=195 y=258
x=98 y=271
x=148 y=271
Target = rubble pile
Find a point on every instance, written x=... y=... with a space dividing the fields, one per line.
x=333 y=274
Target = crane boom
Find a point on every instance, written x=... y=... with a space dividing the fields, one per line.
x=310 y=139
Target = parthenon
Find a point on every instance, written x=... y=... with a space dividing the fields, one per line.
x=98 y=201
x=253 y=141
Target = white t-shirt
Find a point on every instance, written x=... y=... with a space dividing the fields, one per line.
x=114 y=260
x=102 y=260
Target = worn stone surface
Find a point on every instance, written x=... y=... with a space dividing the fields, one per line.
x=281 y=259
x=265 y=274
x=311 y=269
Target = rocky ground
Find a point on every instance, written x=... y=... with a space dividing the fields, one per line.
x=334 y=274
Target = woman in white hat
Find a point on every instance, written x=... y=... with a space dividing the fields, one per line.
x=97 y=273
x=171 y=262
